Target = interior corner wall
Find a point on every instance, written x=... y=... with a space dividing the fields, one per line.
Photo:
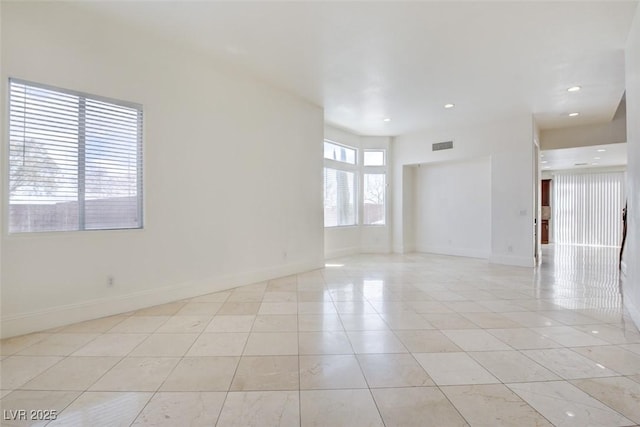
x=406 y=220
x=537 y=191
x=508 y=143
x=631 y=273
x=232 y=171
x=453 y=208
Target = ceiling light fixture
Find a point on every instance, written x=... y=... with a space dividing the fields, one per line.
x=574 y=89
x=601 y=150
x=386 y=119
x=449 y=105
x=544 y=161
x=574 y=114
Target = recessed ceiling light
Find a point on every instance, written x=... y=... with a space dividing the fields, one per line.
x=449 y=105
x=574 y=89
x=544 y=161
x=574 y=114
x=386 y=119
x=601 y=150
x=596 y=158
x=541 y=155
x=546 y=167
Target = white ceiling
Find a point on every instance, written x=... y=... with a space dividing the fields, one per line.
x=596 y=156
x=364 y=61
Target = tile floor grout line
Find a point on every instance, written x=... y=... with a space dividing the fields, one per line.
x=180 y=359
x=403 y=289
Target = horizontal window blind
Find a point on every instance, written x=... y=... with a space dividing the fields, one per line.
x=75 y=161
x=587 y=208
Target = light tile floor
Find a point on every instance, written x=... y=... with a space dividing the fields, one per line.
x=367 y=341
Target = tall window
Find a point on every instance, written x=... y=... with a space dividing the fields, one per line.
x=374 y=187
x=340 y=185
x=587 y=208
x=75 y=161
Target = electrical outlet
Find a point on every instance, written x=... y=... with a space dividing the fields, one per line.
x=110 y=281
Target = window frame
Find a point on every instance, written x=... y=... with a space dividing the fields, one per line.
x=345 y=167
x=6 y=164
x=375 y=170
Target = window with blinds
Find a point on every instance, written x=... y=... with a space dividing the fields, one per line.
x=339 y=197
x=75 y=161
x=587 y=208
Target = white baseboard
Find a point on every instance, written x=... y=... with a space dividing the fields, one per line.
x=517 y=261
x=337 y=253
x=463 y=252
x=375 y=250
x=24 y=323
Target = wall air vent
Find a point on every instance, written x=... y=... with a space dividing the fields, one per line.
x=447 y=145
x=580 y=164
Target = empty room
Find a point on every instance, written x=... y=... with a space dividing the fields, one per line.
x=317 y=213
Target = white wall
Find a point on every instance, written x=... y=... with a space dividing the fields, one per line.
x=232 y=172
x=579 y=136
x=453 y=208
x=631 y=286
x=3 y=125
x=341 y=241
x=509 y=144
x=537 y=193
x=404 y=222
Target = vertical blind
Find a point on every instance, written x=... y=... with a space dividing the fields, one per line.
x=75 y=161
x=587 y=208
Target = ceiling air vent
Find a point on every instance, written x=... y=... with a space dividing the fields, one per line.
x=447 y=145
x=580 y=164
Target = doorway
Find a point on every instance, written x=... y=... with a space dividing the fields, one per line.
x=545 y=212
